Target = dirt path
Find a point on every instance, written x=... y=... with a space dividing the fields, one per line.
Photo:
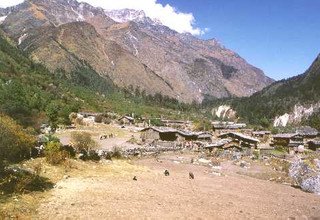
x=110 y=193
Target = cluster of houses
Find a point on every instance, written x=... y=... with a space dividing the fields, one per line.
x=90 y=118
x=304 y=137
x=238 y=139
x=172 y=134
x=224 y=135
x=206 y=139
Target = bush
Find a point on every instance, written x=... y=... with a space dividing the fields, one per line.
x=89 y=155
x=15 y=142
x=83 y=141
x=117 y=153
x=156 y=122
x=202 y=125
x=54 y=153
x=79 y=121
x=107 y=121
x=73 y=116
x=21 y=181
x=98 y=119
x=71 y=151
x=93 y=156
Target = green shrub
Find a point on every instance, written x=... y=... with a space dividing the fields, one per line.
x=107 y=121
x=156 y=122
x=92 y=155
x=15 y=142
x=83 y=141
x=256 y=154
x=202 y=125
x=117 y=153
x=98 y=119
x=54 y=153
x=21 y=181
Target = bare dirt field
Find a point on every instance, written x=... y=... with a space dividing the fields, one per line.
x=107 y=191
x=121 y=135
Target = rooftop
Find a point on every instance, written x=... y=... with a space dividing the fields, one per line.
x=307 y=131
x=261 y=132
x=239 y=136
x=285 y=135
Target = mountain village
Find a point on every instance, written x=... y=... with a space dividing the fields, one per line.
x=114 y=114
x=176 y=135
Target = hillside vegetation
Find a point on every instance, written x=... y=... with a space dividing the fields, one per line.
x=32 y=95
x=278 y=98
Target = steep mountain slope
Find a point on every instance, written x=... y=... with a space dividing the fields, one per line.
x=132 y=50
x=201 y=67
x=300 y=95
x=74 y=44
x=32 y=95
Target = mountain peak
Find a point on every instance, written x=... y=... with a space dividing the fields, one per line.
x=130 y=48
x=126 y=15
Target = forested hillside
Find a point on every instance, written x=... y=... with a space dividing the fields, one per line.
x=278 y=98
x=32 y=95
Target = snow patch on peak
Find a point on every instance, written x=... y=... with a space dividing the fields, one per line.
x=125 y=15
x=80 y=16
x=2 y=18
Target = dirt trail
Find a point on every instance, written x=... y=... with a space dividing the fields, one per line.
x=114 y=195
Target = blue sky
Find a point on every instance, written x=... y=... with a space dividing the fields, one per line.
x=282 y=37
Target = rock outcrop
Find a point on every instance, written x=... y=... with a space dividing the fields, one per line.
x=224 y=112
x=296 y=116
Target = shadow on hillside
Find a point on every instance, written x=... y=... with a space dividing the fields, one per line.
x=20 y=181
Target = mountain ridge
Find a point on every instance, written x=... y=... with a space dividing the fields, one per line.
x=192 y=67
x=291 y=98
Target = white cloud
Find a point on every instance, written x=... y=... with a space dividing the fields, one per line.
x=168 y=15
x=8 y=3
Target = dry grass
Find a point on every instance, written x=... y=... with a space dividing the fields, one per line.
x=99 y=129
x=115 y=168
x=24 y=206
x=21 y=206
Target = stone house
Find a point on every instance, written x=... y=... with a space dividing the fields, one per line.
x=263 y=136
x=240 y=140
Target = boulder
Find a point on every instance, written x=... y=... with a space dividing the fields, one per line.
x=306 y=177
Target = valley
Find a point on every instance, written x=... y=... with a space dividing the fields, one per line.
x=106 y=189
x=110 y=114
